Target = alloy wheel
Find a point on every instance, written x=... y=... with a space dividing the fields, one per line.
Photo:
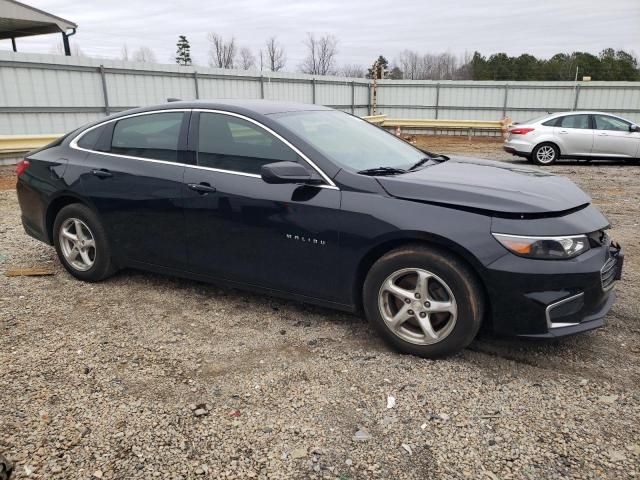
x=418 y=306
x=546 y=154
x=77 y=244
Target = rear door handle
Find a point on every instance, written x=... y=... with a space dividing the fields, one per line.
x=102 y=173
x=202 y=188
x=603 y=134
x=563 y=131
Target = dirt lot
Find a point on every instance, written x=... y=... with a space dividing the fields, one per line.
x=144 y=376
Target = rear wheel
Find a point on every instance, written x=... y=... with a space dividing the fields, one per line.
x=545 y=154
x=423 y=301
x=81 y=243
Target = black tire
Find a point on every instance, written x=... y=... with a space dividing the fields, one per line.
x=461 y=281
x=545 y=154
x=103 y=265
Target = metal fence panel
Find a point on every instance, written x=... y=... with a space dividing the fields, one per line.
x=221 y=88
x=126 y=90
x=45 y=94
x=40 y=123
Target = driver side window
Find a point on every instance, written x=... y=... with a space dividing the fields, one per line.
x=231 y=143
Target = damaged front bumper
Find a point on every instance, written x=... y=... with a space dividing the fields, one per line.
x=539 y=302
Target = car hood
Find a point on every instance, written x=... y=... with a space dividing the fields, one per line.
x=487 y=185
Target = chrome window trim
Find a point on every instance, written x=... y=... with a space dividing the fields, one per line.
x=74 y=144
x=551 y=306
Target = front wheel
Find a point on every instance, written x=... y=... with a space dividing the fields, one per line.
x=545 y=154
x=423 y=301
x=81 y=243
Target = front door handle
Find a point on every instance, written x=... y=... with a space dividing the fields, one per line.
x=202 y=188
x=101 y=173
x=563 y=131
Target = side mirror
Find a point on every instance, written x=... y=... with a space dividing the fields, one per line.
x=634 y=128
x=286 y=172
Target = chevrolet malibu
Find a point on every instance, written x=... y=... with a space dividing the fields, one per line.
x=316 y=205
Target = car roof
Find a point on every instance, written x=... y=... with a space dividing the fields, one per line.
x=571 y=112
x=262 y=107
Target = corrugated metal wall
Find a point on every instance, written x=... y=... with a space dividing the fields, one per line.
x=54 y=94
x=467 y=100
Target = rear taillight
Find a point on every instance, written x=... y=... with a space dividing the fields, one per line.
x=22 y=166
x=521 y=131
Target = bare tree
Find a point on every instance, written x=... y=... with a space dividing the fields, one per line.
x=353 y=71
x=276 y=58
x=411 y=64
x=247 y=59
x=321 y=55
x=144 y=55
x=222 y=53
x=429 y=66
x=464 y=71
x=124 y=53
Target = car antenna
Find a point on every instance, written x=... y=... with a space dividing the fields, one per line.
x=172 y=99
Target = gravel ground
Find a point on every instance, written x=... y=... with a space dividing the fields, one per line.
x=144 y=376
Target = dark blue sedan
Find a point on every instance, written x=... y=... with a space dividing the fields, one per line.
x=309 y=203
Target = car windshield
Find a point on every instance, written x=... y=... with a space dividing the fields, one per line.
x=350 y=141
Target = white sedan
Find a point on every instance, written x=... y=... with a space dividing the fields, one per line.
x=582 y=135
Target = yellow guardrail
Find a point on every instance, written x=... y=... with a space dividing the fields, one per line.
x=24 y=143
x=377 y=119
x=383 y=121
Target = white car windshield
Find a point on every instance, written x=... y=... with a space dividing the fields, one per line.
x=350 y=141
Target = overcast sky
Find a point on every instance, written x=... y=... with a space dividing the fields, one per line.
x=364 y=28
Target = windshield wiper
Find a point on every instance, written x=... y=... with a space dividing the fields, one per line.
x=382 y=171
x=435 y=157
x=419 y=163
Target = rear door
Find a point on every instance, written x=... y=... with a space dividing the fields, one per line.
x=574 y=134
x=613 y=137
x=238 y=227
x=133 y=176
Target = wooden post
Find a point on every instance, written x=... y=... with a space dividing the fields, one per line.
x=353 y=98
x=374 y=101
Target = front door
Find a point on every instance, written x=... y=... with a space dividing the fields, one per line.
x=614 y=139
x=135 y=182
x=574 y=134
x=283 y=237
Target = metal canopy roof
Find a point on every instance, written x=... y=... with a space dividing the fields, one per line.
x=20 y=20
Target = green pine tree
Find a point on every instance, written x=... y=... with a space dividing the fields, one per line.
x=183 y=53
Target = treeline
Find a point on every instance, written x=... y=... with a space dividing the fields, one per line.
x=322 y=58
x=610 y=64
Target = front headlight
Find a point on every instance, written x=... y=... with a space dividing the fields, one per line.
x=544 y=248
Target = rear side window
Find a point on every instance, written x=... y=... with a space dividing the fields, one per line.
x=554 y=122
x=90 y=139
x=153 y=136
x=574 y=121
x=234 y=144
